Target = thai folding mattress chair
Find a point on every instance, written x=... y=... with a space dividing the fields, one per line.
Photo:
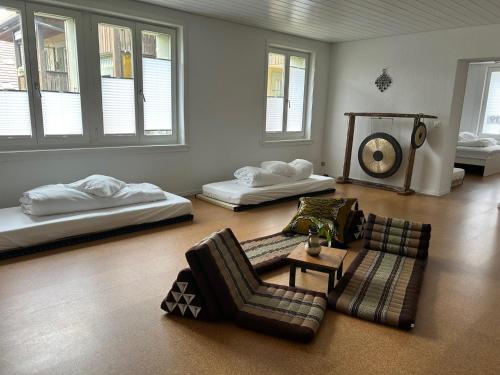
x=383 y=282
x=222 y=284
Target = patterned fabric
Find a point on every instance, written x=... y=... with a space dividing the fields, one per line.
x=279 y=310
x=397 y=236
x=270 y=252
x=383 y=283
x=380 y=287
x=185 y=298
x=328 y=210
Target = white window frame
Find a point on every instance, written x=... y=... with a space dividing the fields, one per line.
x=22 y=141
x=42 y=139
x=90 y=83
x=112 y=139
x=155 y=139
x=484 y=101
x=284 y=135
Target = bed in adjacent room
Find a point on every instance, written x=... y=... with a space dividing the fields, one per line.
x=239 y=195
x=486 y=157
x=473 y=150
x=43 y=217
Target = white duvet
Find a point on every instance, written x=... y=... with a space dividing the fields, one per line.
x=61 y=198
x=274 y=173
x=468 y=139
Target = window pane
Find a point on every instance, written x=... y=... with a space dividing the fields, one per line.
x=157 y=83
x=15 y=117
x=296 y=88
x=58 y=74
x=275 y=92
x=491 y=123
x=117 y=79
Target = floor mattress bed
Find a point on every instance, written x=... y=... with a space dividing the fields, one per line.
x=21 y=233
x=486 y=157
x=238 y=197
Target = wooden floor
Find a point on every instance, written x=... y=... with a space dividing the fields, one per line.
x=94 y=308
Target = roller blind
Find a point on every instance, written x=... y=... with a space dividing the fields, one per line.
x=157 y=86
x=296 y=87
x=118 y=106
x=15 y=119
x=62 y=113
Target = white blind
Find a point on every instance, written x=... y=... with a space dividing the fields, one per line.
x=491 y=124
x=274 y=114
x=157 y=87
x=296 y=99
x=118 y=105
x=62 y=113
x=15 y=116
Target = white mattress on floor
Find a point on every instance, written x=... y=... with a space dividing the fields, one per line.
x=235 y=192
x=478 y=152
x=20 y=230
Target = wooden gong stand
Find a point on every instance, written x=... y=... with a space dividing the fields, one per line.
x=345 y=179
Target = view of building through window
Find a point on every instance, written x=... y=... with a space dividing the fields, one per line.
x=117 y=79
x=157 y=83
x=14 y=103
x=275 y=92
x=286 y=83
x=59 y=83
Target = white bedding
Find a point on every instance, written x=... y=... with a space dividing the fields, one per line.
x=478 y=152
x=20 y=230
x=61 y=199
x=236 y=193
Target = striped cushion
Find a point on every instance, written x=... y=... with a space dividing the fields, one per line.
x=270 y=252
x=380 y=287
x=397 y=236
x=288 y=312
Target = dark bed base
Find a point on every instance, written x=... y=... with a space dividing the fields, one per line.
x=245 y=207
x=91 y=237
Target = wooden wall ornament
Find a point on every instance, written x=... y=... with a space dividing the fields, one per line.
x=380 y=155
x=405 y=190
x=383 y=81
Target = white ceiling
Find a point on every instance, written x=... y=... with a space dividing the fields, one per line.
x=344 y=20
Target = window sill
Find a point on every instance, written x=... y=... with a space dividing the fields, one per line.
x=58 y=152
x=287 y=142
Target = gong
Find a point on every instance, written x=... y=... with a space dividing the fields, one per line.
x=380 y=155
x=418 y=135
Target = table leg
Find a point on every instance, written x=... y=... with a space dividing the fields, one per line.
x=339 y=272
x=331 y=281
x=292 y=274
x=302 y=269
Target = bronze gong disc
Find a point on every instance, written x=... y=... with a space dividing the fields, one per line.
x=380 y=155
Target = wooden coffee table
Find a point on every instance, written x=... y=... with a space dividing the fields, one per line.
x=329 y=261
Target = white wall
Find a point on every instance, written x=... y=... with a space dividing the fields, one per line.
x=424 y=69
x=225 y=75
x=473 y=96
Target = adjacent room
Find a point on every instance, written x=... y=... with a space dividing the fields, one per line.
x=249 y=186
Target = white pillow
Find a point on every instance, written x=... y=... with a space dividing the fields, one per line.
x=99 y=185
x=303 y=168
x=278 y=167
x=256 y=177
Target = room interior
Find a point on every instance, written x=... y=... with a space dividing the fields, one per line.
x=249 y=186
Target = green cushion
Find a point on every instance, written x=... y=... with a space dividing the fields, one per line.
x=333 y=211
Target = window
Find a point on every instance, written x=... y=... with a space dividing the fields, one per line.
x=117 y=79
x=489 y=123
x=286 y=93
x=15 y=120
x=126 y=95
x=59 y=82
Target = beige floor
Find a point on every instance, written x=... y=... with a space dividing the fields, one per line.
x=94 y=308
